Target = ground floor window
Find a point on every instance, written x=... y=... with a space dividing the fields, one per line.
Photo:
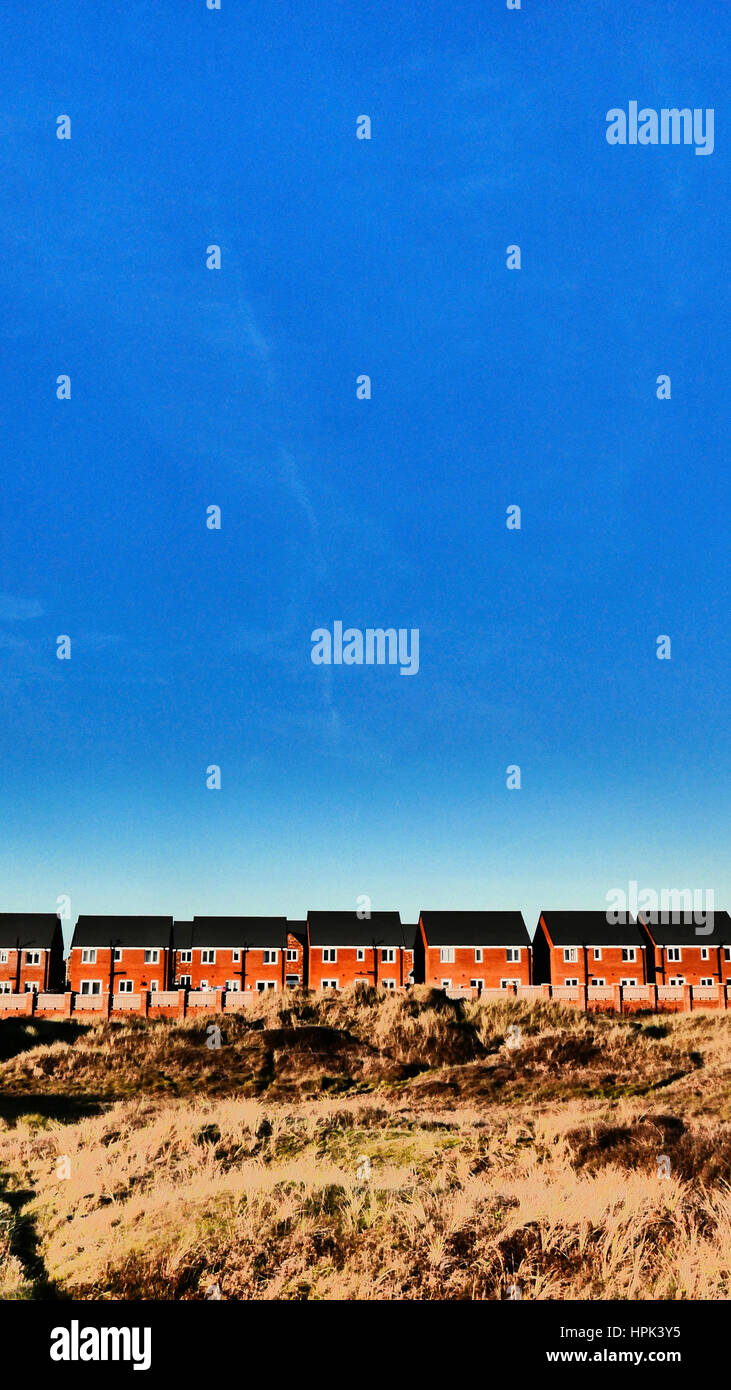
x=6 y=987
x=184 y=981
x=571 y=982
x=329 y=984
x=708 y=980
x=505 y=983
x=263 y=985
x=233 y=986
x=674 y=980
x=599 y=983
x=388 y=984
x=446 y=984
x=125 y=986
x=477 y=984
x=292 y=981
x=31 y=987
x=628 y=982
x=91 y=986
x=154 y=985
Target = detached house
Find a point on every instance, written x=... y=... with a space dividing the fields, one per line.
x=478 y=950
x=585 y=948
x=120 y=955
x=345 y=949
x=685 y=952
x=237 y=954
x=31 y=952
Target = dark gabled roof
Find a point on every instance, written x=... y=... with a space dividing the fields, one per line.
x=475 y=929
x=411 y=934
x=688 y=928
x=182 y=935
x=592 y=929
x=240 y=932
x=298 y=927
x=32 y=929
x=133 y=932
x=348 y=929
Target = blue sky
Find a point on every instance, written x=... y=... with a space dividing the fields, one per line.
x=236 y=387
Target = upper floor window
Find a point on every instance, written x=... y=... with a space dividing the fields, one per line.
x=478 y=954
x=152 y=956
x=236 y=956
x=117 y=954
x=446 y=955
x=673 y=953
x=727 y=952
x=629 y=953
x=270 y=957
x=704 y=953
x=185 y=957
x=88 y=956
x=330 y=954
x=292 y=953
x=388 y=955
x=512 y=953
x=597 y=953
x=4 y=957
x=32 y=957
x=360 y=953
x=570 y=954
x=208 y=957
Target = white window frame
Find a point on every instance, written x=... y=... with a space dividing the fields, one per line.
x=708 y=980
x=629 y=983
x=117 y=955
x=388 y=984
x=203 y=984
x=329 y=955
x=673 y=954
x=292 y=953
x=676 y=980
x=184 y=982
x=96 y=987
x=236 y=956
x=388 y=955
x=727 y=952
x=705 y=954
x=629 y=955
x=185 y=957
x=154 y=986
x=6 y=986
x=152 y=955
x=4 y=957
x=599 y=983
x=446 y=955
x=478 y=955
x=88 y=955
x=360 y=953
x=266 y=986
x=446 y=984
x=572 y=984
x=512 y=955
x=125 y=987
x=208 y=955
x=597 y=953
x=32 y=957
x=329 y=984
x=291 y=981
x=269 y=956
x=504 y=984
x=233 y=986
x=570 y=955
x=477 y=984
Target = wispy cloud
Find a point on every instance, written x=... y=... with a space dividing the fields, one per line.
x=18 y=610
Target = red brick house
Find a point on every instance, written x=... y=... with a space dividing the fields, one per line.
x=585 y=948
x=31 y=952
x=237 y=954
x=683 y=952
x=120 y=955
x=478 y=950
x=345 y=949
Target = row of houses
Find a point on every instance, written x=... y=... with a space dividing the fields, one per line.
x=332 y=950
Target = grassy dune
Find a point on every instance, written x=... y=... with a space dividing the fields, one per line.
x=356 y=1147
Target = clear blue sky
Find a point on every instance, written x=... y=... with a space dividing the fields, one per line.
x=193 y=387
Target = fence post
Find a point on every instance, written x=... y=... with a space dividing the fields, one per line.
x=546 y=991
x=687 y=998
x=144 y=1002
x=583 y=997
x=652 y=997
x=68 y=1004
x=30 y=1002
x=182 y=1003
x=617 y=998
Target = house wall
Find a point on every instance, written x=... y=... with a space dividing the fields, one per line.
x=691 y=966
x=611 y=968
x=31 y=975
x=347 y=969
x=248 y=971
x=492 y=969
x=132 y=967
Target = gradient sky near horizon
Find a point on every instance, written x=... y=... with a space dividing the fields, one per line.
x=236 y=387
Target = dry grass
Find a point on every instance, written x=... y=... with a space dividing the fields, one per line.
x=451 y=1166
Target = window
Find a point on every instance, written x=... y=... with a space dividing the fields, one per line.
x=292 y=981
x=446 y=984
x=513 y=954
x=708 y=981
x=31 y=987
x=203 y=984
x=236 y=956
x=329 y=954
x=270 y=957
x=388 y=984
x=32 y=957
x=388 y=955
x=477 y=984
x=704 y=953
x=152 y=956
x=3 y=957
x=233 y=986
x=154 y=985
x=571 y=982
x=677 y=980
x=629 y=953
x=597 y=953
x=329 y=984
x=505 y=983
x=292 y=953
x=125 y=987
x=360 y=953
x=88 y=956
x=208 y=957
x=185 y=957
x=570 y=954
x=184 y=981
x=264 y=985
x=629 y=982
x=6 y=987
x=91 y=986
x=478 y=955
x=727 y=952
x=598 y=984
x=673 y=953
x=446 y=955
x=117 y=955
